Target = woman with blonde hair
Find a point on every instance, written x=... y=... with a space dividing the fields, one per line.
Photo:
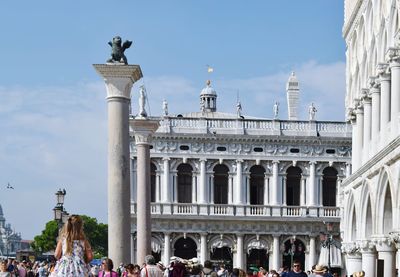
x=73 y=251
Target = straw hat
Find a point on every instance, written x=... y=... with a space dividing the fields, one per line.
x=319 y=269
x=359 y=274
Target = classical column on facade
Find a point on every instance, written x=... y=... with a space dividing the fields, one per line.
x=266 y=188
x=167 y=248
x=359 y=137
x=143 y=130
x=174 y=174
x=230 y=188
x=246 y=176
x=312 y=251
x=354 y=154
x=275 y=189
x=158 y=187
x=366 y=99
x=303 y=190
x=166 y=186
x=194 y=188
x=375 y=92
x=386 y=252
x=203 y=247
x=202 y=182
x=119 y=80
x=238 y=192
x=353 y=257
x=369 y=256
x=211 y=188
x=276 y=254
x=284 y=189
x=240 y=251
x=384 y=78
x=348 y=170
x=312 y=190
x=393 y=57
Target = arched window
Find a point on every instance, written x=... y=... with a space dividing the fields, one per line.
x=329 y=181
x=221 y=177
x=387 y=212
x=257 y=185
x=153 y=177
x=185 y=248
x=184 y=183
x=293 y=178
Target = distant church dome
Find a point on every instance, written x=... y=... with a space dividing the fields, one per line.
x=208 y=99
x=208 y=90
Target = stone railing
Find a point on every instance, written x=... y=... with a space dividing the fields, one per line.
x=240 y=210
x=253 y=127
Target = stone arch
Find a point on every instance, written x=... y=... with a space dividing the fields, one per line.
x=329 y=186
x=257 y=250
x=157 y=246
x=360 y=40
x=385 y=204
x=184 y=183
x=221 y=184
x=298 y=248
x=366 y=212
x=257 y=241
x=350 y=217
x=184 y=251
x=257 y=176
x=391 y=26
x=227 y=164
x=222 y=248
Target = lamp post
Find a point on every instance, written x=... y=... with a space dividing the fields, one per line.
x=291 y=250
x=59 y=212
x=327 y=241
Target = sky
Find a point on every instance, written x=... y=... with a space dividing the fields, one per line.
x=53 y=122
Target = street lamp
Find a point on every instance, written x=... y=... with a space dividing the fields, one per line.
x=327 y=241
x=59 y=212
x=291 y=250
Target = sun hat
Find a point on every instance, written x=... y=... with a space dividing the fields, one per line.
x=319 y=269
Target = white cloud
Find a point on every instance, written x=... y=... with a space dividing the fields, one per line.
x=57 y=138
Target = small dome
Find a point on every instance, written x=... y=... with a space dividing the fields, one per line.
x=208 y=90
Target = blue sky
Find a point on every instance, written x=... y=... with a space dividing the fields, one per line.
x=53 y=108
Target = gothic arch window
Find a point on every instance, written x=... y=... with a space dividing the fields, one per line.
x=368 y=225
x=353 y=234
x=329 y=181
x=257 y=173
x=184 y=183
x=387 y=212
x=153 y=177
x=221 y=177
x=293 y=178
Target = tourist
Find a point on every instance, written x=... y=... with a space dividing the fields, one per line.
x=296 y=271
x=22 y=269
x=222 y=272
x=151 y=269
x=131 y=270
x=3 y=269
x=107 y=269
x=319 y=271
x=207 y=269
x=73 y=251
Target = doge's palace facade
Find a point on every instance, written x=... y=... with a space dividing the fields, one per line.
x=371 y=220
x=242 y=190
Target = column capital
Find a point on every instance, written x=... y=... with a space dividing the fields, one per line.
x=392 y=56
x=202 y=160
x=366 y=246
x=349 y=247
x=239 y=161
x=383 y=243
x=383 y=71
x=143 y=129
x=275 y=162
x=119 y=79
x=166 y=159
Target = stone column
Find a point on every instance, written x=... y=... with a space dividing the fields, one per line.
x=354 y=154
x=238 y=188
x=386 y=252
x=367 y=126
x=266 y=189
x=230 y=188
x=375 y=112
x=276 y=264
x=202 y=184
x=203 y=247
x=348 y=170
x=284 y=194
x=359 y=137
x=312 y=191
x=158 y=194
x=175 y=186
x=247 y=184
x=275 y=188
x=303 y=191
x=312 y=252
x=384 y=78
x=194 y=188
x=166 y=190
x=240 y=251
x=133 y=181
x=369 y=257
x=394 y=63
x=119 y=80
x=143 y=129
x=212 y=189
x=167 y=248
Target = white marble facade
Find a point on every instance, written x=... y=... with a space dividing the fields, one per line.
x=371 y=216
x=225 y=187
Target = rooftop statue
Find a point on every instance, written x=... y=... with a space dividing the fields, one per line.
x=117 y=50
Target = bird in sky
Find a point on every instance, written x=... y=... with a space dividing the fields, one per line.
x=209 y=69
x=9 y=186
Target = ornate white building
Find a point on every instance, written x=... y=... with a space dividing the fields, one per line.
x=246 y=191
x=371 y=218
x=10 y=241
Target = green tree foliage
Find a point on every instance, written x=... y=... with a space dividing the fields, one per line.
x=96 y=233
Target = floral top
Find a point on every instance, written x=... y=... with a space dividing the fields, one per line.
x=73 y=264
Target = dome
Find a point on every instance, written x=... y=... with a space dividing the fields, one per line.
x=208 y=90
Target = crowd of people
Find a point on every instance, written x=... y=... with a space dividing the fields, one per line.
x=73 y=253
